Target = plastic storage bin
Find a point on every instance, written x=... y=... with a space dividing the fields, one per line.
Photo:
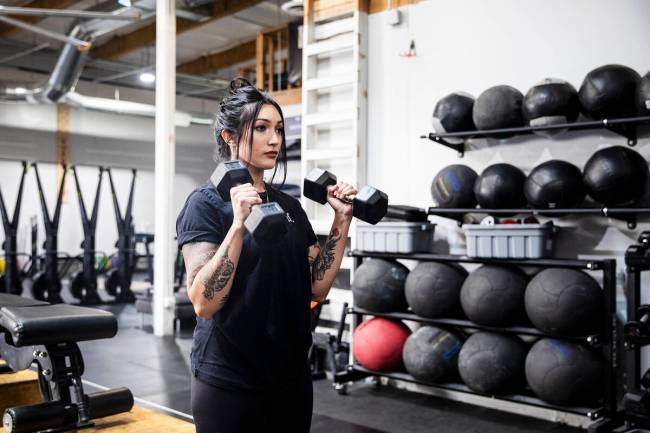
x=515 y=241
x=395 y=237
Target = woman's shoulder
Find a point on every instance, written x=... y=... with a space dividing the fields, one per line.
x=205 y=195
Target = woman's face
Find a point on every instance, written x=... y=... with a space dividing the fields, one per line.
x=267 y=139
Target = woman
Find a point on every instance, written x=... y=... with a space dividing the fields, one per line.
x=249 y=354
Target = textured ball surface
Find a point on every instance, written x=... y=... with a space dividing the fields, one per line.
x=433 y=289
x=551 y=102
x=453 y=187
x=431 y=354
x=609 y=92
x=554 y=184
x=643 y=96
x=378 y=344
x=498 y=107
x=500 y=186
x=453 y=113
x=379 y=286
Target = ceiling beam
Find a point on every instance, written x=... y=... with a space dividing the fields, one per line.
x=119 y=46
x=8 y=30
x=215 y=61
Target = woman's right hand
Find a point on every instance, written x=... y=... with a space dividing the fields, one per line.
x=243 y=197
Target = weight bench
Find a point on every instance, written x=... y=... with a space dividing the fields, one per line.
x=33 y=331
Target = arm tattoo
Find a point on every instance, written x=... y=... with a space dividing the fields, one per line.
x=219 y=279
x=325 y=258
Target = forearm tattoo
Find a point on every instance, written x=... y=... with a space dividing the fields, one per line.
x=219 y=279
x=325 y=258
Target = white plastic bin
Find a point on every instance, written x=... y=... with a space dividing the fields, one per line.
x=515 y=241
x=395 y=237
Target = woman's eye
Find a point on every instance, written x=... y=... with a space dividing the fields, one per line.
x=260 y=128
x=279 y=130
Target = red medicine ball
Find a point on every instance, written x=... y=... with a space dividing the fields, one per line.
x=378 y=344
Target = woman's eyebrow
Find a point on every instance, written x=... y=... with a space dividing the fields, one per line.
x=268 y=121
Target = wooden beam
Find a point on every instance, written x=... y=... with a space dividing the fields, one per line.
x=215 y=61
x=259 y=63
x=120 y=45
x=8 y=30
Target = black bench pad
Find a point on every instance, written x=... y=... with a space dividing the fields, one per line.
x=8 y=300
x=47 y=324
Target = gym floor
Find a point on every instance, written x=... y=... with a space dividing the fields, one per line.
x=157 y=371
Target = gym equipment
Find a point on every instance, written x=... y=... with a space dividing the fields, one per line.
x=492 y=363
x=369 y=204
x=498 y=107
x=500 y=186
x=549 y=102
x=83 y=285
x=565 y=373
x=609 y=92
x=47 y=283
x=378 y=286
x=328 y=352
x=453 y=187
x=33 y=331
x=118 y=280
x=453 y=113
x=643 y=96
x=564 y=302
x=432 y=289
x=431 y=354
x=378 y=344
x=554 y=184
x=615 y=176
x=494 y=295
x=267 y=222
x=11 y=279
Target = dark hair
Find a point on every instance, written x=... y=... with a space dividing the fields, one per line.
x=236 y=115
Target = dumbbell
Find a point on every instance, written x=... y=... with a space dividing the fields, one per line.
x=639 y=328
x=267 y=221
x=369 y=205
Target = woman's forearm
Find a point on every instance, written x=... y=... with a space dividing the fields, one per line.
x=328 y=262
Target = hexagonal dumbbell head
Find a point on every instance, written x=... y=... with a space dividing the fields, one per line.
x=267 y=223
x=370 y=205
x=229 y=174
x=316 y=183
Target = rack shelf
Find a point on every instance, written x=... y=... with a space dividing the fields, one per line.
x=626 y=127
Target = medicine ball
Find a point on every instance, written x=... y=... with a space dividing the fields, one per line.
x=564 y=302
x=431 y=354
x=379 y=286
x=554 y=184
x=609 y=92
x=498 y=107
x=493 y=363
x=564 y=373
x=643 y=96
x=378 y=344
x=494 y=295
x=453 y=187
x=453 y=113
x=432 y=289
x=550 y=102
x=615 y=175
x=500 y=186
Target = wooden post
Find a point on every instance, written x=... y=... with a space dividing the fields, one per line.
x=62 y=144
x=259 y=61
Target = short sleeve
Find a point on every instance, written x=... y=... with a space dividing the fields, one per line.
x=311 y=235
x=200 y=220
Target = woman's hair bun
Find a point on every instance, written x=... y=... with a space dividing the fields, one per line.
x=238 y=83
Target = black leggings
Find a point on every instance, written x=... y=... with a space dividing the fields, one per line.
x=218 y=410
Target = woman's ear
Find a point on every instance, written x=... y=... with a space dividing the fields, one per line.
x=228 y=138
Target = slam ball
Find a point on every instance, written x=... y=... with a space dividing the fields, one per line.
x=379 y=286
x=564 y=302
x=554 y=184
x=453 y=113
x=453 y=187
x=494 y=295
x=609 y=92
x=615 y=175
x=431 y=354
x=500 y=186
x=551 y=102
x=493 y=363
x=498 y=107
x=565 y=373
x=433 y=289
x=643 y=96
x=378 y=344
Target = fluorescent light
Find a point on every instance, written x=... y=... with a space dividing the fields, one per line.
x=147 y=77
x=20 y=90
x=126 y=3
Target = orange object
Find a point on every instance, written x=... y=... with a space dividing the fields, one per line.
x=313 y=304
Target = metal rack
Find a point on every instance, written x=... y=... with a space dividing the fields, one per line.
x=602 y=416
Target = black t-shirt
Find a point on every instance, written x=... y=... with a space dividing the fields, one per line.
x=260 y=338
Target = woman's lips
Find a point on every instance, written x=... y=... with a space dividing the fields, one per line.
x=271 y=154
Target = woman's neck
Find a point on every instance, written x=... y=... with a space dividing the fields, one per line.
x=258 y=179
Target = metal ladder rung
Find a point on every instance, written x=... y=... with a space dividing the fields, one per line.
x=344 y=41
x=326 y=82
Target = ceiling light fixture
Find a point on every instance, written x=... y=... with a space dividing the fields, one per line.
x=147 y=77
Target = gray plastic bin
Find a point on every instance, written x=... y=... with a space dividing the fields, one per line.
x=395 y=237
x=516 y=241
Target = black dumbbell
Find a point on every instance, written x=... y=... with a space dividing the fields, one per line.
x=267 y=221
x=369 y=205
x=640 y=327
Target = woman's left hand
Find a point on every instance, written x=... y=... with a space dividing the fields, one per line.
x=336 y=198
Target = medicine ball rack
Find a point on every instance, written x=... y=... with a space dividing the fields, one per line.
x=627 y=127
x=604 y=417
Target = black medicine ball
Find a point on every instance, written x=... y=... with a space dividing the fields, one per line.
x=432 y=289
x=430 y=354
x=554 y=184
x=379 y=286
x=500 y=186
x=609 y=92
x=551 y=102
x=615 y=175
x=453 y=187
x=498 y=107
x=643 y=96
x=453 y=113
